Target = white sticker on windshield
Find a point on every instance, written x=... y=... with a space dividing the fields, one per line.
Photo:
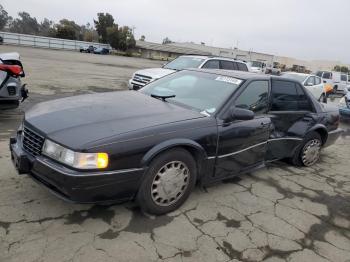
x=229 y=80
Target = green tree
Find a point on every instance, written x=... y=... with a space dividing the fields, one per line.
x=344 y=69
x=68 y=29
x=46 y=28
x=102 y=23
x=126 y=38
x=4 y=18
x=113 y=36
x=337 y=68
x=25 y=24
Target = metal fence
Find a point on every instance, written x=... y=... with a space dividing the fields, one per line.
x=46 y=42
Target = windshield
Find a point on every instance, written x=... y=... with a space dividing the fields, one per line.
x=184 y=62
x=300 y=78
x=257 y=64
x=203 y=92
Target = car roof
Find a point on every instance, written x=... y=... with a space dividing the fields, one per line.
x=215 y=57
x=233 y=73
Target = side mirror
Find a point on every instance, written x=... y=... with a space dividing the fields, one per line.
x=237 y=113
x=324 y=81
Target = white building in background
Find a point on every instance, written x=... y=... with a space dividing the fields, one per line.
x=289 y=62
x=229 y=52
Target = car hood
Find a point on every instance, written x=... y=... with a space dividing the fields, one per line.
x=79 y=120
x=10 y=56
x=155 y=73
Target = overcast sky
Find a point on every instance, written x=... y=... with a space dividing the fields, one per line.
x=307 y=29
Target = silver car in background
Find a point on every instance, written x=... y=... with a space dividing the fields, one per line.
x=12 y=92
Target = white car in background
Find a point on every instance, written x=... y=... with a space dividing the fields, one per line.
x=312 y=83
x=257 y=67
x=145 y=76
x=336 y=79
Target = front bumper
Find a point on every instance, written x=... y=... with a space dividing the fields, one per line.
x=76 y=186
x=333 y=136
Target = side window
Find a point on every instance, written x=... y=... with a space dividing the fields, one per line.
x=242 y=67
x=227 y=65
x=310 y=81
x=212 y=64
x=318 y=80
x=254 y=97
x=288 y=96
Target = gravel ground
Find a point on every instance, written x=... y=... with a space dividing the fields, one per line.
x=280 y=213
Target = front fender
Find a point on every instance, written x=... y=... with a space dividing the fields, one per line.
x=180 y=142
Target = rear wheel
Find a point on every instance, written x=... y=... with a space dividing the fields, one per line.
x=169 y=181
x=308 y=153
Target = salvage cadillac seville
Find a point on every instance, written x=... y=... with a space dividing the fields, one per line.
x=154 y=145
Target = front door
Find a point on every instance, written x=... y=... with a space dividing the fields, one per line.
x=242 y=144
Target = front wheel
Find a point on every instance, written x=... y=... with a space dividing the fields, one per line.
x=308 y=153
x=168 y=182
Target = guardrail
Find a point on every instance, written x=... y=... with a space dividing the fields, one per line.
x=46 y=42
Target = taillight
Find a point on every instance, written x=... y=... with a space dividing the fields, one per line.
x=14 y=70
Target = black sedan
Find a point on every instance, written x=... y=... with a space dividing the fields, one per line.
x=154 y=145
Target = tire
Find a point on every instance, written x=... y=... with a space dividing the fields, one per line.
x=323 y=98
x=152 y=196
x=308 y=152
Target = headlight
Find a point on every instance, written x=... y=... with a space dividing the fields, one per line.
x=75 y=159
x=342 y=102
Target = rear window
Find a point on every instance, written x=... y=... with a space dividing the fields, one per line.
x=343 y=78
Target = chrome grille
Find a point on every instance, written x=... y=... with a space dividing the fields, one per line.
x=142 y=79
x=32 y=142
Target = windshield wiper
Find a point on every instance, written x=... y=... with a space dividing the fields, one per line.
x=163 y=97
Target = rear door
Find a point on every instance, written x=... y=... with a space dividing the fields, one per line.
x=242 y=144
x=292 y=115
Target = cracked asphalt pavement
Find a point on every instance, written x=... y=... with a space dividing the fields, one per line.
x=279 y=213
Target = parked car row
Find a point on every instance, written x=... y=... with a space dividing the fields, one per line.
x=94 y=50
